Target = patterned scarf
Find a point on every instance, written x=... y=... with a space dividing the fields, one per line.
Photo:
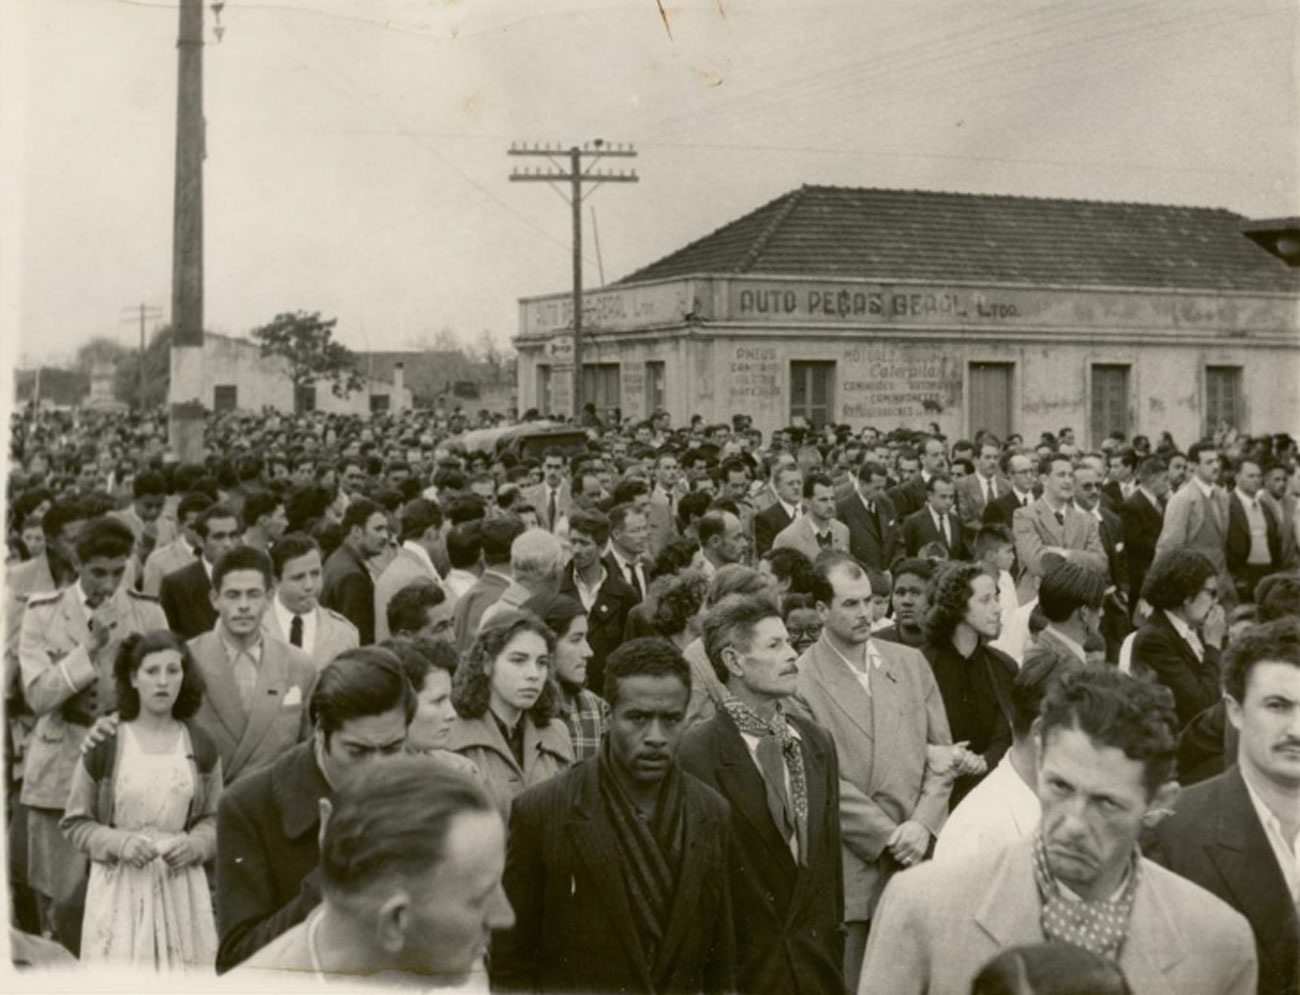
x=1100 y=926
x=777 y=745
x=652 y=854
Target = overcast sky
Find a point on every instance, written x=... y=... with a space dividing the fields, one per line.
x=357 y=148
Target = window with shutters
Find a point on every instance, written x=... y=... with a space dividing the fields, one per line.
x=812 y=392
x=654 y=387
x=600 y=386
x=1110 y=409
x=225 y=397
x=1223 y=399
x=379 y=404
x=990 y=398
x=544 y=399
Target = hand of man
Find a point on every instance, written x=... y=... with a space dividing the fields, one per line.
x=909 y=842
x=1215 y=627
x=102 y=624
x=105 y=726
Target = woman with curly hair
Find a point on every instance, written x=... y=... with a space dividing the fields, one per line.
x=974 y=679
x=143 y=808
x=584 y=712
x=505 y=698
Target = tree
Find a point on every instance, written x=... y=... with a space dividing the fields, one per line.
x=157 y=372
x=100 y=349
x=306 y=343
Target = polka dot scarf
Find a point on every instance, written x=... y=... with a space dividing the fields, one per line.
x=1099 y=927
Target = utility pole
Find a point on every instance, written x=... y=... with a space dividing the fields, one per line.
x=146 y=313
x=576 y=176
x=186 y=400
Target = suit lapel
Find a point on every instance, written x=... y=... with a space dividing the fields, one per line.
x=1155 y=944
x=1009 y=914
x=221 y=690
x=885 y=705
x=265 y=704
x=743 y=786
x=699 y=846
x=593 y=839
x=843 y=688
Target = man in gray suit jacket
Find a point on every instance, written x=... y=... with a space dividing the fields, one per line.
x=421 y=540
x=816 y=529
x=295 y=615
x=882 y=707
x=1107 y=750
x=1052 y=524
x=255 y=706
x=1197 y=517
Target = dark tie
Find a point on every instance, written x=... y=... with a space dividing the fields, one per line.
x=295 y=631
x=824 y=540
x=634 y=580
x=943 y=525
x=1060 y=518
x=550 y=511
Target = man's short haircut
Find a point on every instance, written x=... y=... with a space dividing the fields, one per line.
x=992 y=537
x=1113 y=709
x=936 y=478
x=535 y=555
x=1201 y=446
x=915 y=566
x=418 y=517
x=242 y=558
x=260 y=503
x=1030 y=686
x=1278 y=595
x=712 y=524
x=1277 y=641
x=390 y=824
x=1150 y=468
x=823 y=590
x=290 y=547
x=360 y=511
x=193 y=502
x=464 y=546
x=1176 y=577
x=105 y=537
x=217 y=511
x=731 y=622
x=420 y=656
x=882 y=585
x=1045 y=463
x=590 y=523
x=1049 y=969
x=466 y=508
x=649 y=656
x=734 y=464
x=497 y=536
x=871 y=468
x=618 y=515
x=790 y=564
x=149 y=484
x=1069 y=586
x=814 y=480
x=358 y=683
x=408 y=609
x=1127 y=456
x=60 y=515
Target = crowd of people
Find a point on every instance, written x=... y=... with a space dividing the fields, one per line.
x=668 y=710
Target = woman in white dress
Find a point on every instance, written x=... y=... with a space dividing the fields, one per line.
x=143 y=808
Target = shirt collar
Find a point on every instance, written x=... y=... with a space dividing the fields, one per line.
x=1206 y=489
x=1184 y=630
x=1246 y=499
x=1155 y=501
x=233 y=651
x=1073 y=645
x=421 y=554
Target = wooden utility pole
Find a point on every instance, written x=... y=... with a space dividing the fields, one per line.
x=146 y=313
x=186 y=400
x=576 y=177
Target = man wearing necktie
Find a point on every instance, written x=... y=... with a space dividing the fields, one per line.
x=780 y=775
x=1053 y=524
x=295 y=614
x=1254 y=542
x=629 y=534
x=816 y=530
x=1197 y=518
x=936 y=522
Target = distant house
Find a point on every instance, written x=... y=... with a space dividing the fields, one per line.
x=57 y=388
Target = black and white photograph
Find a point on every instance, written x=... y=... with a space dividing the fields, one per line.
x=678 y=497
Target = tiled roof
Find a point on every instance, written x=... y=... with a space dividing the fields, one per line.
x=920 y=235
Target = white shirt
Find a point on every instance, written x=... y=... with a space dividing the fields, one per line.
x=1023 y=498
x=1259 y=554
x=1000 y=810
x=588 y=595
x=941 y=525
x=1073 y=645
x=1188 y=634
x=285 y=618
x=422 y=555
x=1008 y=599
x=1013 y=640
x=1286 y=851
x=1150 y=496
x=1126 y=653
x=459 y=581
x=987 y=486
x=624 y=564
x=792 y=510
x=863 y=674
x=1204 y=488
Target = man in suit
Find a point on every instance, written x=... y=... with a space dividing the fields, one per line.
x=1121 y=472
x=936 y=523
x=909 y=496
x=1070 y=598
x=255 y=705
x=186 y=594
x=780 y=775
x=181 y=551
x=660 y=524
x=883 y=709
x=148 y=495
x=1019 y=470
x=497 y=536
x=1143 y=516
x=1254 y=543
x=349 y=586
x=816 y=529
x=603 y=594
x=665 y=494
x=1105 y=769
x=768 y=495
x=552 y=499
x=1116 y=621
x=1054 y=524
x=787 y=486
x=1229 y=834
x=1275 y=494
x=875 y=534
x=433 y=851
x=618 y=868
x=629 y=536
x=66 y=651
x=295 y=616
x=421 y=541
x=53 y=570
x=268 y=824
x=978 y=490
x=1197 y=517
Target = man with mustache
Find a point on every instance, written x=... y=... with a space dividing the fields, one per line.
x=617 y=869
x=883 y=709
x=1235 y=834
x=781 y=777
x=1106 y=755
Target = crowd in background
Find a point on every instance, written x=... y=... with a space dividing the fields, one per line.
x=668 y=709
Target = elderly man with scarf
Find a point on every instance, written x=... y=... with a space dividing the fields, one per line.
x=618 y=868
x=781 y=777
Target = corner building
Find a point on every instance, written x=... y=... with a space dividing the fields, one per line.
x=892 y=307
